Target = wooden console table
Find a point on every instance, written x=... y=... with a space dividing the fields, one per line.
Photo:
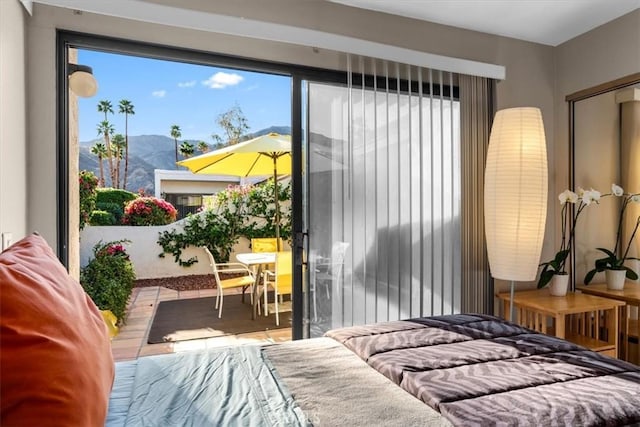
x=587 y=320
x=630 y=327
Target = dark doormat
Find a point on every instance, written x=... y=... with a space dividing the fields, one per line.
x=195 y=318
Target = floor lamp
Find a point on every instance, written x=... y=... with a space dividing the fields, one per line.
x=515 y=195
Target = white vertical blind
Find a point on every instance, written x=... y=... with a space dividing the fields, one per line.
x=384 y=163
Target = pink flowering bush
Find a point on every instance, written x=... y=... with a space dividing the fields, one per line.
x=149 y=211
x=87 y=184
x=108 y=277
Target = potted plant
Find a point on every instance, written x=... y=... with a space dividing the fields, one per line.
x=612 y=264
x=554 y=271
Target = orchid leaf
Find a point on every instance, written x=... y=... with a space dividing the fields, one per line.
x=545 y=278
x=589 y=277
x=608 y=252
x=631 y=275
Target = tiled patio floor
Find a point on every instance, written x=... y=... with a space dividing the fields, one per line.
x=131 y=342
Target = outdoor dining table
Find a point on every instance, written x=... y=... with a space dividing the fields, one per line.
x=259 y=260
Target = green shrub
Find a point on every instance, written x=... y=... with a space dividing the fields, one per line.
x=108 y=278
x=88 y=183
x=149 y=211
x=115 y=195
x=113 y=208
x=247 y=211
x=99 y=217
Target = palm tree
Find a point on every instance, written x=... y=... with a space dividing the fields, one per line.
x=119 y=144
x=101 y=151
x=126 y=108
x=104 y=106
x=106 y=130
x=203 y=147
x=175 y=134
x=187 y=149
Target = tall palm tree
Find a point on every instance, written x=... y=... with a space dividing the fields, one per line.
x=104 y=106
x=119 y=144
x=175 y=134
x=126 y=108
x=203 y=147
x=187 y=149
x=101 y=151
x=106 y=130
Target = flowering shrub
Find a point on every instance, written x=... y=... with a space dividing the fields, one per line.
x=239 y=210
x=88 y=183
x=149 y=211
x=108 y=277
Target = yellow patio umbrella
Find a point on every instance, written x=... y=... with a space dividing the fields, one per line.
x=265 y=155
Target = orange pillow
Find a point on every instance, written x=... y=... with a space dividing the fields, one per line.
x=56 y=367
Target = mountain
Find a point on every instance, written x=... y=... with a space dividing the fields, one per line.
x=149 y=152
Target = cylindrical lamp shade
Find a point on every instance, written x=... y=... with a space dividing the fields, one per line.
x=515 y=193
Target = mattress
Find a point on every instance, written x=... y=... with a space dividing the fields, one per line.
x=480 y=370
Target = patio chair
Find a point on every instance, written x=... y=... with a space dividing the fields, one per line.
x=265 y=244
x=327 y=271
x=281 y=281
x=245 y=281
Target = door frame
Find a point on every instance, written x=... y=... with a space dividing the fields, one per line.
x=297 y=73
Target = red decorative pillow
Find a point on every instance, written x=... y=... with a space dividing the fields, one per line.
x=56 y=367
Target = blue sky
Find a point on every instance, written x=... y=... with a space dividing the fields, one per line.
x=165 y=93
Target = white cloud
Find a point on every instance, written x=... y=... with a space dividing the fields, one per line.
x=190 y=83
x=159 y=93
x=252 y=87
x=221 y=80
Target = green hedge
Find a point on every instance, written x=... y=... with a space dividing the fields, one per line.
x=116 y=210
x=99 y=217
x=115 y=195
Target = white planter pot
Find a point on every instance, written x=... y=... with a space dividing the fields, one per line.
x=559 y=285
x=615 y=279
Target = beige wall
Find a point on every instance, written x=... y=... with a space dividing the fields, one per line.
x=529 y=81
x=536 y=75
x=13 y=128
x=604 y=54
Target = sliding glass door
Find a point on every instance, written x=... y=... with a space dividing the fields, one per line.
x=382 y=196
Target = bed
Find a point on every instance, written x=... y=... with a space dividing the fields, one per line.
x=438 y=371
x=467 y=369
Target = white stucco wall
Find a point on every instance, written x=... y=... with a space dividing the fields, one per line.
x=144 y=250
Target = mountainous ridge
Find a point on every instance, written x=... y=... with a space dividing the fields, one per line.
x=149 y=152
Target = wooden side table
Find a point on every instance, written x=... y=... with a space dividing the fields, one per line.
x=586 y=320
x=630 y=327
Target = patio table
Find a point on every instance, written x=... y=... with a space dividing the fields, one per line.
x=259 y=260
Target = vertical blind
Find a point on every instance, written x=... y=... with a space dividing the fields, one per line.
x=385 y=186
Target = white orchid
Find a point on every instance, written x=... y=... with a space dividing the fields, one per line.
x=569 y=218
x=590 y=196
x=616 y=258
x=616 y=190
x=568 y=196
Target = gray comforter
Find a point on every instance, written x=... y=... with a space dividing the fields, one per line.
x=234 y=386
x=480 y=370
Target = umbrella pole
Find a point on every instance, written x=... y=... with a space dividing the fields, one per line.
x=275 y=191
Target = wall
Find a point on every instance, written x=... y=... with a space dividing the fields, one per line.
x=144 y=250
x=606 y=53
x=13 y=127
x=529 y=66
